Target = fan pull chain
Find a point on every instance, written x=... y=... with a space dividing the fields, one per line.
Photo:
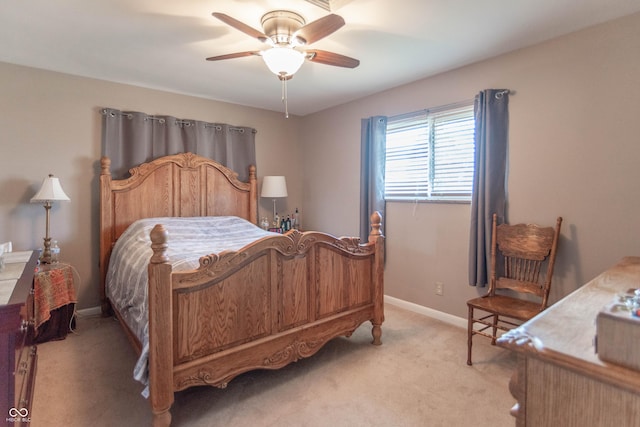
x=284 y=97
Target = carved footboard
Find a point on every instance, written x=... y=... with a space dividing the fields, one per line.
x=276 y=301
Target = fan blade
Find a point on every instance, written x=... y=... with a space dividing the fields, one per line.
x=232 y=55
x=241 y=26
x=321 y=28
x=330 y=58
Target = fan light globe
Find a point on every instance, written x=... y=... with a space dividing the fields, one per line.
x=283 y=61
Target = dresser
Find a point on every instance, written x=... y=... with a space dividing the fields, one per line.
x=18 y=359
x=559 y=379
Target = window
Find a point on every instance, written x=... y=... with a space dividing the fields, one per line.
x=430 y=154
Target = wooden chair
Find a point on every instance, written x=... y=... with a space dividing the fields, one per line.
x=518 y=256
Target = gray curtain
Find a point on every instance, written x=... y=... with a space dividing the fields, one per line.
x=489 y=195
x=130 y=138
x=372 y=163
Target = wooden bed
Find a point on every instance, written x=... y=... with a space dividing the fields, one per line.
x=269 y=304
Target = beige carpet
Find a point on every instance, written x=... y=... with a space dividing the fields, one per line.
x=418 y=377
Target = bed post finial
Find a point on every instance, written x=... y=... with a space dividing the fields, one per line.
x=105 y=163
x=159 y=244
x=376 y=223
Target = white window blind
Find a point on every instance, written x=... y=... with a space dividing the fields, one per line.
x=430 y=155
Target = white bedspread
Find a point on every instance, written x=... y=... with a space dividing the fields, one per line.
x=189 y=239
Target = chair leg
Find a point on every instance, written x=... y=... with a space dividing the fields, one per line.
x=495 y=329
x=469 y=334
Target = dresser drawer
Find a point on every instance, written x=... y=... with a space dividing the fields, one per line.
x=25 y=374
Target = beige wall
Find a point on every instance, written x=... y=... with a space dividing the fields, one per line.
x=574 y=150
x=50 y=123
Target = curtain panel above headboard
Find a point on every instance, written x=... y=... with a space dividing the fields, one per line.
x=130 y=138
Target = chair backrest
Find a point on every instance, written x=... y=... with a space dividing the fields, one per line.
x=519 y=254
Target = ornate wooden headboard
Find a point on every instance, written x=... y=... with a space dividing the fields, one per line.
x=180 y=185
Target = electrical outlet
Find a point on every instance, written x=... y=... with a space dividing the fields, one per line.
x=439 y=288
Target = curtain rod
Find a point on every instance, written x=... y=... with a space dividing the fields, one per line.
x=180 y=122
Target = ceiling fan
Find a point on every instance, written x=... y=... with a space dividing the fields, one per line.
x=287 y=35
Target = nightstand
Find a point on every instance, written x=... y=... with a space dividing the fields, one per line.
x=54 y=301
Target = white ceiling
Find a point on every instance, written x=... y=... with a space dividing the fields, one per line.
x=163 y=44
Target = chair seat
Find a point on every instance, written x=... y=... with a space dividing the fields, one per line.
x=506 y=306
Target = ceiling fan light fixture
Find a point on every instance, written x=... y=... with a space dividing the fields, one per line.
x=284 y=31
x=283 y=61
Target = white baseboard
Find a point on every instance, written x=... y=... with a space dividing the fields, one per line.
x=91 y=311
x=439 y=315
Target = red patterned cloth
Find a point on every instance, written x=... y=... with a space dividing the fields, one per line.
x=53 y=286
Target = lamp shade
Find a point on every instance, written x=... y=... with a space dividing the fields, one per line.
x=283 y=61
x=274 y=186
x=50 y=191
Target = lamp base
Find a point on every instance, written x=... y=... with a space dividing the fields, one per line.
x=45 y=256
x=275 y=215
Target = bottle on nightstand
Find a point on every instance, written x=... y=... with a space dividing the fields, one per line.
x=295 y=219
x=55 y=252
x=264 y=223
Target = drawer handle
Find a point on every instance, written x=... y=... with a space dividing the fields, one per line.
x=23 y=367
x=24 y=326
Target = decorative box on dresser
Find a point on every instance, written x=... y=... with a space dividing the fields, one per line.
x=559 y=379
x=18 y=359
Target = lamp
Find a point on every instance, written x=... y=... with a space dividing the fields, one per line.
x=51 y=191
x=274 y=186
x=284 y=62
